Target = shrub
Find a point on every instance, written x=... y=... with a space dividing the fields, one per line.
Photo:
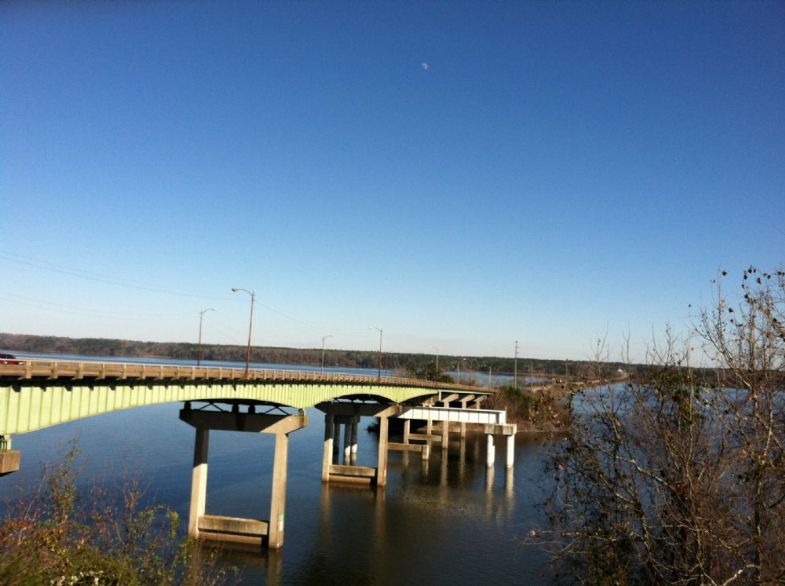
x=60 y=536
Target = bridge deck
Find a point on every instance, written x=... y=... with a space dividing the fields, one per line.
x=40 y=393
x=79 y=370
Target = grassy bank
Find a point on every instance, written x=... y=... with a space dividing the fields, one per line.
x=543 y=409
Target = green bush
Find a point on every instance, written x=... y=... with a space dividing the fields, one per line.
x=62 y=536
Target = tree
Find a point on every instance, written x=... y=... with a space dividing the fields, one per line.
x=59 y=535
x=429 y=371
x=678 y=481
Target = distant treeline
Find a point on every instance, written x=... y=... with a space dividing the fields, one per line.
x=309 y=356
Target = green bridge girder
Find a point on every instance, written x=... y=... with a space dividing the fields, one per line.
x=28 y=406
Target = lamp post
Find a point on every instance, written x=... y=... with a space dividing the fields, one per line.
x=515 y=367
x=199 y=345
x=323 y=339
x=252 y=294
x=381 y=334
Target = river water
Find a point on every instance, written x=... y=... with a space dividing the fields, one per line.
x=450 y=522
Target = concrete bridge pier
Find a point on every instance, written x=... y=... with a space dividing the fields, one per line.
x=348 y=414
x=506 y=429
x=407 y=446
x=355 y=423
x=490 y=452
x=347 y=440
x=268 y=533
x=330 y=429
x=445 y=435
x=337 y=437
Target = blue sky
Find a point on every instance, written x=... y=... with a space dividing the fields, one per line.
x=462 y=174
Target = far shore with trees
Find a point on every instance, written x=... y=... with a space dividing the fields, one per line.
x=477 y=366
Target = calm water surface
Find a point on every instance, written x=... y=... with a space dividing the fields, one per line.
x=447 y=522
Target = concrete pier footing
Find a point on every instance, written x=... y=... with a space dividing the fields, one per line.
x=9 y=461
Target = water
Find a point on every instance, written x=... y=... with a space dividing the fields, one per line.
x=448 y=523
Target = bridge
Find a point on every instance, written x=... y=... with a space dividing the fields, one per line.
x=35 y=394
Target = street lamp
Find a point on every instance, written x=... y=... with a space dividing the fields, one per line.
x=199 y=346
x=323 y=339
x=515 y=367
x=381 y=334
x=252 y=294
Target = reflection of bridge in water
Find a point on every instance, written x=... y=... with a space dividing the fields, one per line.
x=36 y=394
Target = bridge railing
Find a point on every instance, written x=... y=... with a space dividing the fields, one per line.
x=77 y=370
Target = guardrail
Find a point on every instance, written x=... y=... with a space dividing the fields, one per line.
x=78 y=370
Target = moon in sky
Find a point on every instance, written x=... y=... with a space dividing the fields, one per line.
x=424 y=66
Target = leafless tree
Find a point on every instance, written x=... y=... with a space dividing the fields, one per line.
x=677 y=481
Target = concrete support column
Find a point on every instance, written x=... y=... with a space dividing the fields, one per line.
x=355 y=425
x=278 y=498
x=491 y=452
x=336 y=434
x=407 y=429
x=327 y=456
x=463 y=429
x=445 y=434
x=347 y=442
x=198 y=481
x=381 y=472
x=510 y=450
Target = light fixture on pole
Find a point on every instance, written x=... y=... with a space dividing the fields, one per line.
x=381 y=335
x=199 y=345
x=323 y=339
x=252 y=294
